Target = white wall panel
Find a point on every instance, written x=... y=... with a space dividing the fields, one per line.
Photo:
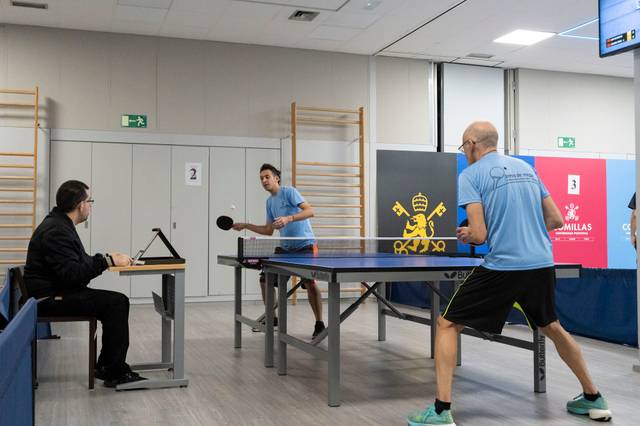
x=471 y=94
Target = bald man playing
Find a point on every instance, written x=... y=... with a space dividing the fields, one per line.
x=508 y=207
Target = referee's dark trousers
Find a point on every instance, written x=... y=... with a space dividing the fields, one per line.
x=111 y=309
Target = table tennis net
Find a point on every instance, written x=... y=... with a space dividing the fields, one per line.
x=264 y=247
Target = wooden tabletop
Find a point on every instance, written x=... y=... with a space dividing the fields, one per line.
x=163 y=267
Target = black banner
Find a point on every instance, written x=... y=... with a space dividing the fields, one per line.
x=416 y=196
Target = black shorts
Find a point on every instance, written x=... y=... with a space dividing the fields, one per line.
x=483 y=301
x=279 y=250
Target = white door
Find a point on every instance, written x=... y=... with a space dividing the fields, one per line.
x=111 y=212
x=71 y=160
x=256 y=198
x=190 y=214
x=227 y=198
x=151 y=208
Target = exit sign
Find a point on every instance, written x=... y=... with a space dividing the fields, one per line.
x=566 y=142
x=134 y=120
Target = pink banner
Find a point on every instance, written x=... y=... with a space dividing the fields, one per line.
x=578 y=187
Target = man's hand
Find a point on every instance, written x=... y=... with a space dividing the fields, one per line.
x=239 y=226
x=463 y=235
x=282 y=221
x=120 y=259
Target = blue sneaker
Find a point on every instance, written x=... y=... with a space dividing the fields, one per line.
x=429 y=417
x=597 y=410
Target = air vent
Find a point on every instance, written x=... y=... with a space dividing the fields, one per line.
x=303 y=15
x=480 y=55
x=30 y=5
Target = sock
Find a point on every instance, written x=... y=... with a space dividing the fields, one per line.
x=319 y=322
x=591 y=396
x=441 y=406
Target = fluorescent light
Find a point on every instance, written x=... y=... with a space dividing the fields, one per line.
x=523 y=37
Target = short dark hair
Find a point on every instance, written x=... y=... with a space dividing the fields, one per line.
x=70 y=194
x=267 y=166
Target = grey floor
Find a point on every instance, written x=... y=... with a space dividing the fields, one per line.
x=382 y=381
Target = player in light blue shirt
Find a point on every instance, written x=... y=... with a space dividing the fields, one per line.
x=289 y=213
x=508 y=207
x=505 y=186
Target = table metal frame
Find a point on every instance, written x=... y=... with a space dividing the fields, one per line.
x=172 y=350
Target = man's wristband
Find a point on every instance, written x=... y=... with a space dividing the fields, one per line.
x=109 y=259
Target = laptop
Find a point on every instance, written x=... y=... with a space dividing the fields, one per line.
x=140 y=259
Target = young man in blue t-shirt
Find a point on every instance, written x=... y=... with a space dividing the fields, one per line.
x=289 y=213
x=508 y=207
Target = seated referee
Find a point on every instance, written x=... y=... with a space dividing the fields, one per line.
x=58 y=272
x=509 y=207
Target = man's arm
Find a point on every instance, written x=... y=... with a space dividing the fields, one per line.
x=266 y=229
x=476 y=232
x=306 y=213
x=634 y=226
x=552 y=217
x=71 y=269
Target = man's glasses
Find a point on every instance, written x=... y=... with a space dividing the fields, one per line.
x=90 y=201
x=461 y=147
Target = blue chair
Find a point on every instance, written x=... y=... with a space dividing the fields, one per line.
x=17 y=402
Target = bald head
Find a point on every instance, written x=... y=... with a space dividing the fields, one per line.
x=482 y=132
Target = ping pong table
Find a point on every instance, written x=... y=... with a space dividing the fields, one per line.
x=380 y=269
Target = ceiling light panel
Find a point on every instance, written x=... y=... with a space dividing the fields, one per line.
x=524 y=37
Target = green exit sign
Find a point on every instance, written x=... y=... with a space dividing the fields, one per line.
x=134 y=120
x=566 y=142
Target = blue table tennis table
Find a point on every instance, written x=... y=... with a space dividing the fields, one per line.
x=381 y=269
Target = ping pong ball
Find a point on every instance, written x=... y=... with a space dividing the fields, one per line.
x=233 y=206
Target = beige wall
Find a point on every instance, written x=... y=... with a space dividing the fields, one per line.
x=401 y=101
x=596 y=110
x=88 y=79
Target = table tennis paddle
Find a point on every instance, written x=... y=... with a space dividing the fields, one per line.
x=224 y=222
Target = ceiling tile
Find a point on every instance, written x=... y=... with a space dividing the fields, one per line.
x=309 y=4
x=325 y=32
x=141 y=14
x=251 y=11
x=351 y=20
x=207 y=6
x=135 y=27
x=182 y=31
x=190 y=19
x=156 y=4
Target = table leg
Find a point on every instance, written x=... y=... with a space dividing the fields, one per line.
x=268 y=337
x=539 y=362
x=435 y=313
x=459 y=351
x=282 y=323
x=237 y=325
x=165 y=323
x=178 y=326
x=334 y=344
x=382 y=319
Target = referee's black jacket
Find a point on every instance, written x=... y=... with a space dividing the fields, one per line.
x=56 y=261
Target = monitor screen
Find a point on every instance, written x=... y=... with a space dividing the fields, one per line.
x=619 y=26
